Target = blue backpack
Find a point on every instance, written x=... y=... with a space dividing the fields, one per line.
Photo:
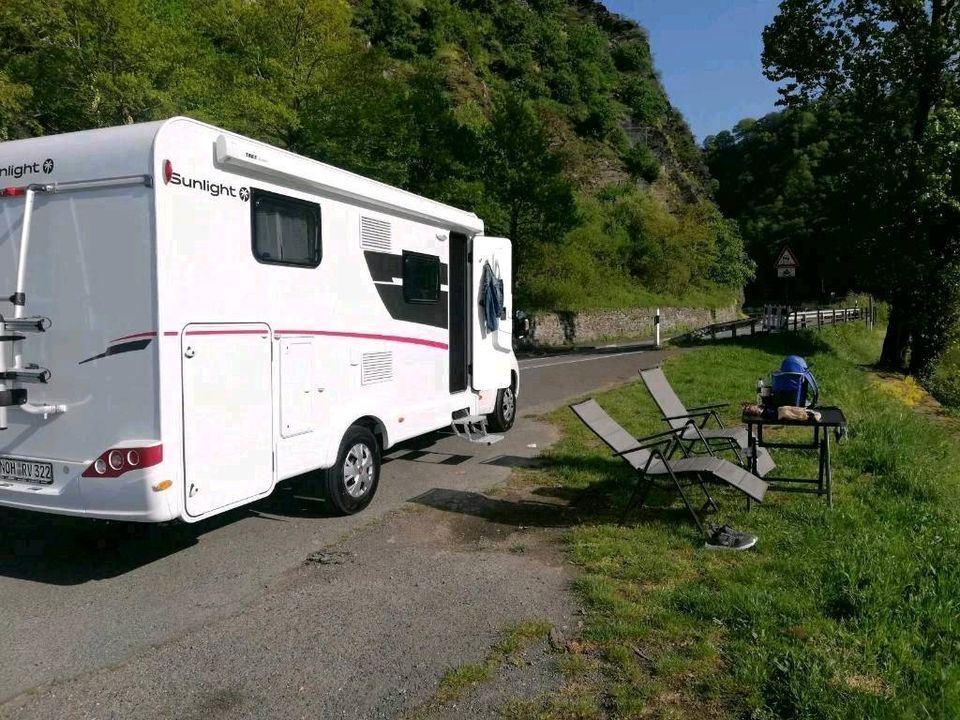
x=794 y=384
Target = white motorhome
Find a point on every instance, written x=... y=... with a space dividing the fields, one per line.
x=194 y=316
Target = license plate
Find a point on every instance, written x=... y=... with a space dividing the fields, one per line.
x=27 y=471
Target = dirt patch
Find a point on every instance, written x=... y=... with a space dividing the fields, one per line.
x=867 y=684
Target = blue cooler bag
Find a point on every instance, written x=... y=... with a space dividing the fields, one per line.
x=794 y=384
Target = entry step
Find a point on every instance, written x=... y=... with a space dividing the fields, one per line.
x=473 y=428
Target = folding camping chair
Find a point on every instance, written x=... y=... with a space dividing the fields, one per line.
x=693 y=424
x=649 y=456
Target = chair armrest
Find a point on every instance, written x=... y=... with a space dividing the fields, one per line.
x=660 y=438
x=685 y=416
x=715 y=406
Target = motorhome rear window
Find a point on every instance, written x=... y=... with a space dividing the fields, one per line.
x=286 y=231
x=421 y=278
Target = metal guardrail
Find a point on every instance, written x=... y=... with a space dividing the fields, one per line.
x=778 y=318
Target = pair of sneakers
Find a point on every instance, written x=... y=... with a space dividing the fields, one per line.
x=726 y=538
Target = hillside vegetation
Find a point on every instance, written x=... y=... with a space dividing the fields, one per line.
x=545 y=117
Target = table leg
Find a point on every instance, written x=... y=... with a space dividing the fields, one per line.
x=821 y=466
x=752 y=449
x=829 y=469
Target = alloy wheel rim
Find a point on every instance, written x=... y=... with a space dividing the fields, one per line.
x=508 y=405
x=358 y=470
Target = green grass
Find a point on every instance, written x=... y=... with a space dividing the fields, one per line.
x=849 y=612
x=574 y=702
x=456 y=681
x=508 y=648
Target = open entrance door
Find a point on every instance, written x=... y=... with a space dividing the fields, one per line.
x=458 y=284
x=492 y=348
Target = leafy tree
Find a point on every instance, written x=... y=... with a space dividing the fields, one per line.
x=781 y=178
x=13 y=98
x=390 y=24
x=278 y=59
x=732 y=266
x=525 y=177
x=90 y=63
x=892 y=66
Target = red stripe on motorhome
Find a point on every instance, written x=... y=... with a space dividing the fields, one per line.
x=326 y=333
x=134 y=336
x=224 y=332
x=367 y=336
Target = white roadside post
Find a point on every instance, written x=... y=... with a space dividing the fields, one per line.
x=656 y=326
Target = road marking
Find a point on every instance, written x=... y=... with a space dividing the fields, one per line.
x=585 y=359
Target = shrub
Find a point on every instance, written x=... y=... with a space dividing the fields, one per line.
x=642 y=163
x=943 y=382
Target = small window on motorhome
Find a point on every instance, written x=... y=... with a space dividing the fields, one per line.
x=421 y=278
x=286 y=231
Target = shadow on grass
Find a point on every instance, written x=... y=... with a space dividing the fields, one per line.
x=599 y=503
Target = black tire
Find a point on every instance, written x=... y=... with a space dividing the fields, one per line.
x=347 y=492
x=504 y=412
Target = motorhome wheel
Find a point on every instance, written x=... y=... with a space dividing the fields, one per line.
x=352 y=482
x=505 y=412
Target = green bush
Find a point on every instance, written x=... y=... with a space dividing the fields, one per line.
x=628 y=251
x=944 y=381
x=642 y=163
x=644 y=98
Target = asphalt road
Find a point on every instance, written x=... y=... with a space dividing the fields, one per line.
x=81 y=599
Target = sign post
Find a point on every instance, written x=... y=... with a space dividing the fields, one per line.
x=787 y=268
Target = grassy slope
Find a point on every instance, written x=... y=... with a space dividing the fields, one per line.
x=850 y=612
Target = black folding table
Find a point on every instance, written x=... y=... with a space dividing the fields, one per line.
x=831 y=419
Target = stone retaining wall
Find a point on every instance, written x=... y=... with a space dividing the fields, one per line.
x=549 y=329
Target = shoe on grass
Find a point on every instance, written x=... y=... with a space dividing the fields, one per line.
x=726 y=538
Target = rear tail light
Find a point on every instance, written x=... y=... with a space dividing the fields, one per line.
x=117 y=461
x=13 y=192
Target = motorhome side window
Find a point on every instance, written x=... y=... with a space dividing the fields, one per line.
x=421 y=278
x=286 y=231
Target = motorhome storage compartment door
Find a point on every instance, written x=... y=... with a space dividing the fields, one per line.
x=297 y=386
x=227 y=414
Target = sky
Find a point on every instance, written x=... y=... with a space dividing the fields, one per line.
x=708 y=55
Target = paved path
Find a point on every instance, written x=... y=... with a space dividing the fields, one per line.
x=226 y=616
x=546 y=382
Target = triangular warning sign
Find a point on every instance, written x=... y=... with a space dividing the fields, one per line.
x=787 y=259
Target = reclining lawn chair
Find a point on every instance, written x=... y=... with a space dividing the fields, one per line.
x=693 y=423
x=649 y=456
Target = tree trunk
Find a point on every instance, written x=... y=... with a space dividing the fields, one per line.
x=897 y=340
